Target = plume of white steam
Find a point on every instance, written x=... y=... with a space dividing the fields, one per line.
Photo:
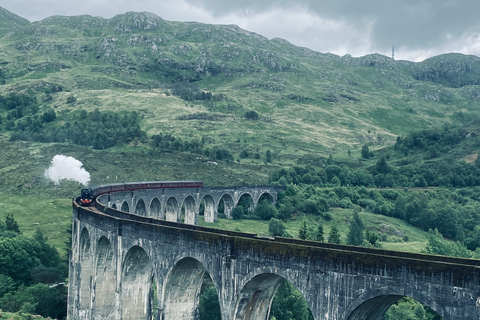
x=66 y=168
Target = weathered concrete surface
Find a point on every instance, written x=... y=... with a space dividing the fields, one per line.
x=118 y=259
x=167 y=203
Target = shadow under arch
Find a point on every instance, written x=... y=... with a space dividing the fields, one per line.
x=155 y=208
x=226 y=202
x=209 y=213
x=86 y=270
x=255 y=298
x=246 y=201
x=105 y=280
x=266 y=196
x=137 y=274
x=189 y=207
x=171 y=212
x=374 y=304
x=140 y=208
x=182 y=290
x=125 y=207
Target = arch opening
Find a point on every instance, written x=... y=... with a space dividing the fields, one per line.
x=256 y=297
x=172 y=211
x=209 y=212
x=140 y=208
x=114 y=206
x=86 y=269
x=266 y=197
x=105 y=280
x=137 y=274
x=125 y=207
x=246 y=202
x=155 y=208
x=184 y=288
x=268 y=296
x=288 y=303
x=391 y=307
x=209 y=306
x=225 y=206
x=188 y=211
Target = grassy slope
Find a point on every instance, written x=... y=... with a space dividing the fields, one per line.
x=318 y=104
x=393 y=228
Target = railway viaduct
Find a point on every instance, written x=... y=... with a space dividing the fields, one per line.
x=146 y=264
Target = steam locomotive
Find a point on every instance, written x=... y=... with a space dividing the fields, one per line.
x=88 y=195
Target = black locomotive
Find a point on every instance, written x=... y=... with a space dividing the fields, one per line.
x=86 y=197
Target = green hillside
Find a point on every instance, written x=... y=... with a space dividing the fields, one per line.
x=136 y=97
x=171 y=73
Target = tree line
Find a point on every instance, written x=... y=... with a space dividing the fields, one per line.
x=32 y=274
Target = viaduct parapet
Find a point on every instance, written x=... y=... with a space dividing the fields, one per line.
x=139 y=265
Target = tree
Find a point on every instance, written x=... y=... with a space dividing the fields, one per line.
x=266 y=211
x=372 y=237
x=407 y=308
x=365 y=152
x=319 y=234
x=276 y=227
x=6 y=284
x=303 y=231
x=237 y=213
x=11 y=224
x=355 y=231
x=438 y=245
x=289 y=304
x=268 y=156
x=209 y=307
x=334 y=235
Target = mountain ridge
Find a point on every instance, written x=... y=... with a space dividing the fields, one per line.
x=315 y=101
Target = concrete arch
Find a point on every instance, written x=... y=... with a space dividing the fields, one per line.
x=190 y=210
x=125 y=207
x=155 y=208
x=140 y=208
x=172 y=210
x=255 y=298
x=267 y=196
x=137 y=273
x=246 y=200
x=105 y=281
x=210 y=212
x=182 y=289
x=374 y=303
x=86 y=271
x=228 y=205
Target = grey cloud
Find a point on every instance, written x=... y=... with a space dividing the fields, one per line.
x=365 y=26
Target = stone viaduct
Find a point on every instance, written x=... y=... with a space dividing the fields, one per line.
x=139 y=265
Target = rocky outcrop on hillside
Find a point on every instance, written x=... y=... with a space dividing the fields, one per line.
x=451 y=70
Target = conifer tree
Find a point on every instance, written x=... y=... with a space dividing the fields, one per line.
x=303 y=232
x=334 y=235
x=319 y=234
x=356 y=231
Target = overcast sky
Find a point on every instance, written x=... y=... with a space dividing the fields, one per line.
x=418 y=29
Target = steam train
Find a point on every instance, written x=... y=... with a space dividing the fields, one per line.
x=88 y=195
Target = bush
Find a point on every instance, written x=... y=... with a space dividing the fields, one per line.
x=237 y=213
x=276 y=227
x=266 y=211
x=251 y=115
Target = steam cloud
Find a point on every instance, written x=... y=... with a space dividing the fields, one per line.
x=67 y=168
